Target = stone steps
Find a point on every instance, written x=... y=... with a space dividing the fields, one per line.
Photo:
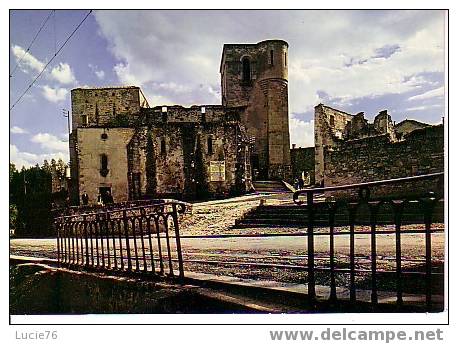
x=293 y=215
x=269 y=186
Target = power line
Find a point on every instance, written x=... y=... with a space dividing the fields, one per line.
x=31 y=43
x=57 y=52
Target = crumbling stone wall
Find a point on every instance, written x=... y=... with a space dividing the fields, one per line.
x=329 y=126
x=104 y=106
x=378 y=158
x=303 y=160
x=172 y=155
x=334 y=128
x=255 y=76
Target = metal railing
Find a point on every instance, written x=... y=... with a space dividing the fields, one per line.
x=426 y=202
x=132 y=239
x=136 y=239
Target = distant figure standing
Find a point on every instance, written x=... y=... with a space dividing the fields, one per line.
x=99 y=199
x=301 y=182
x=108 y=197
x=85 y=198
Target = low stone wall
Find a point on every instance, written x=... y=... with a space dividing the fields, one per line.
x=377 y=158
x=39 y=289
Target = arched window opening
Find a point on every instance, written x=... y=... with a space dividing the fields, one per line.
x=246 y=69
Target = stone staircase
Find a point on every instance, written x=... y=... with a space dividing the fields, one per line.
x=292 y=215
x=269 y=186
x=289 y=215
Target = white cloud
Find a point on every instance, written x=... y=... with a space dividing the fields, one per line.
x=301 y=132
x=63 y=73
x=27 y=62
x=100 y=74
x=54 y=94
x=423 y=107
x=18 y=130
x=20 y=158
x=141 y=41
x=437 y=92
x=50 y=143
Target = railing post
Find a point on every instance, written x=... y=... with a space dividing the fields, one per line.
x=142 y=240
x=57 y=228
x=310 y=248
x=373 y=220
x=332 y=214
x=428 y=205
x=86 y=239
x=398 y=208
x=178 y=241
x=352 y=214
x=126 y=232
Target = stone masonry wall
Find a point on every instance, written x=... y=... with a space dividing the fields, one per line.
x=103 y=105
x=303 y=160
x=329 y=123
x=377 y=158
x=265 y=96
x=90 y=147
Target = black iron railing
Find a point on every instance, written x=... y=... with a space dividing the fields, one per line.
x=132 y=239
x=424 y=202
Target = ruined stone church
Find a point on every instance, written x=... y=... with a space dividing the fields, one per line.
x=122 y=145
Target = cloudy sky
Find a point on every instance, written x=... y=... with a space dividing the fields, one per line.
x=353 y=60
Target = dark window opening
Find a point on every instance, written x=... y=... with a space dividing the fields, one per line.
x=163 y=148
x=210 y=145
x=285 y=60
x=103 y=165
x=331 y=120
x=272 y=57
x=164 y=117
x=104 y=136
x=246 y=69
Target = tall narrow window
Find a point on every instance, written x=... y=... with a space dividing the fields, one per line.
x=209 y=145
x=331 y=120
x=84 y=120
x=202 y=114
x=246 y=69
x=285 y=60
x=103 y=165
x=272 y=57
x=163 y=148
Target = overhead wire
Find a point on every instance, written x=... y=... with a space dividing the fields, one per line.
x=31 y=43
x=49 y=62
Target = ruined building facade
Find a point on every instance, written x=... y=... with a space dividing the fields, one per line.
x=349 y=149
x=122 y=145
x=255 y=77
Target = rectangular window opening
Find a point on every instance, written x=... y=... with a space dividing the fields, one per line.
x=210 y=145
x=163 y=147
x=272 y=57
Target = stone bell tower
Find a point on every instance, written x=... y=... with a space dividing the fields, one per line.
x=255 y=76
